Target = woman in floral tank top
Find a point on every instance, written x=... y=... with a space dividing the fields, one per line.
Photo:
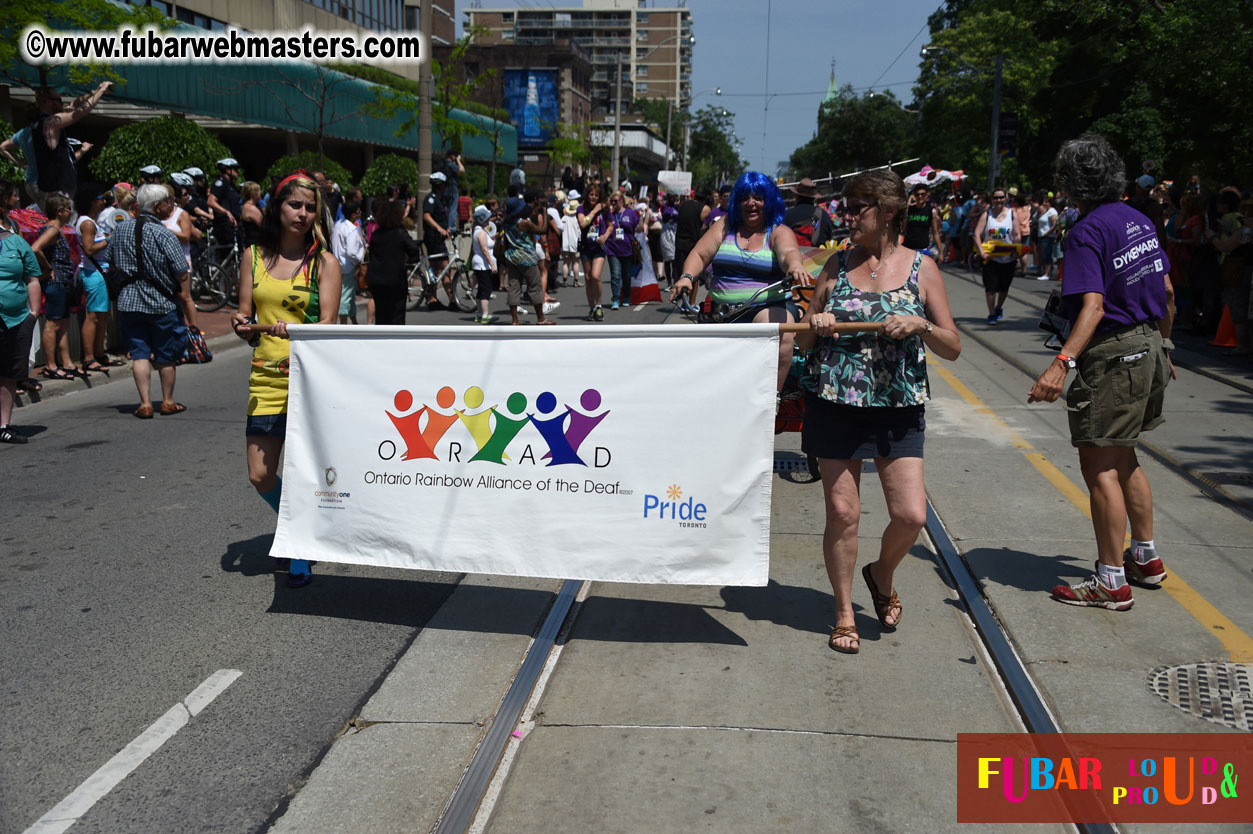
x=866 y=391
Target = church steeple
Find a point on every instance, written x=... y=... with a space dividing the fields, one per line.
x=831 y=101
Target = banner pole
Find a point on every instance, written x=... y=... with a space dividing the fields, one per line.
x=840 y=327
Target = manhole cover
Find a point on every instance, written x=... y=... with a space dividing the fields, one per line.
x=1217 y=692
x=1237 y=478
x=790 y=462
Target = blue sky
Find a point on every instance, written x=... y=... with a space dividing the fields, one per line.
x=804 y=36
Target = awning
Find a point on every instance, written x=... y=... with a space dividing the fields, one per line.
x=262 y=94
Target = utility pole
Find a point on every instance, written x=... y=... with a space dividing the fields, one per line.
x=993 y=159
x=426 y=91
x=617 y=123
x=669 y=117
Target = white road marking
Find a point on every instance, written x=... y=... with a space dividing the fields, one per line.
x=97 y=785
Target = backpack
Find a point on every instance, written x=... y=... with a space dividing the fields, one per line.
x=116 y=280
x=806 y=233
x=553 y=242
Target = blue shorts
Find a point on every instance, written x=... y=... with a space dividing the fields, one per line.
x=97 y=291
x=266 y=425
x=161 y=337
x=1045 y=248
x=56 y=302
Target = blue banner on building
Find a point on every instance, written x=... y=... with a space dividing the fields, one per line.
x=531 y=99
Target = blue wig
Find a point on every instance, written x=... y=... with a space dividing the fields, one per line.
x=759 y=185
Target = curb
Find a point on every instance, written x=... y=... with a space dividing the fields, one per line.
x=55 y=389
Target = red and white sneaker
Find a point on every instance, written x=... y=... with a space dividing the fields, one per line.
x=1151 y=572
x=1092 y=593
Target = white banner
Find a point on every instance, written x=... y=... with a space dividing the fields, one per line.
x=675 y=182
x=626 y=454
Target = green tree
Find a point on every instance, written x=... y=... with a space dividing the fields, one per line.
x=712 y=156
x=389 y=169
x=570 y=145
x=81 y=15
x=309 y=161
x=9 y=171
x=856 y=132
x=171 y=142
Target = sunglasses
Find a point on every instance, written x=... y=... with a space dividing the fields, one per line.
x=998 y=196
x=856 y=208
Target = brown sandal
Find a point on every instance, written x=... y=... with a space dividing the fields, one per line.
x=844 y=631
x=883 y=605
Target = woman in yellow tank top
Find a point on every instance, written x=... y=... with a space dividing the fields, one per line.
x=282 y=280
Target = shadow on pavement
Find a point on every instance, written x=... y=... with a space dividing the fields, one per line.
x=1026 y=571
x=804 y=609
x=613 y=619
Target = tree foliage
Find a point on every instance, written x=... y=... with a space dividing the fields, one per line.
x=855 y=133
x=712 y=156
x=9 y=171
x=171 y=142
x=90 y=15
x=1163 y=81
x=309 y=161
x=389 y=169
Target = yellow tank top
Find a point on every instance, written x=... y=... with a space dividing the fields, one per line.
x=273 y=300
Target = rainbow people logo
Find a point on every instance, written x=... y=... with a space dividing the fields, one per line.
x=487 y=432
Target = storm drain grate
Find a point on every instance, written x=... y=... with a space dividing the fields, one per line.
x=789 y=463
x=1215 y=691
x=1236 y=478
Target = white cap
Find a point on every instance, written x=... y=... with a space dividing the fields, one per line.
x=482 y=213
x=574 y=194
x=1145 y=181
x=438 y=177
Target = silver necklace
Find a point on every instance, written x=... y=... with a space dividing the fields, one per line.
x=874 y=273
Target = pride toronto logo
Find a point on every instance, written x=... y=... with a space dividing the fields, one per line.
x=488 y=433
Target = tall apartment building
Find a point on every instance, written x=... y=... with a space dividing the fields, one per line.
x=654 y=42
x=327 y=15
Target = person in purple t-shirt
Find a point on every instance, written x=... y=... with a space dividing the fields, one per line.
x=621 y=224
x=1120 y=304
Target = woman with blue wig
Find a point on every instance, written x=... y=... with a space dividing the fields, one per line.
x=750 y=249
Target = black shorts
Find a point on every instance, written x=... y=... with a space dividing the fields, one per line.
x=851 y=432
x=15 y=348
x=997 y=276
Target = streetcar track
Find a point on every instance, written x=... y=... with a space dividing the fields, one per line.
x=1209 y=487
x=1032 y=301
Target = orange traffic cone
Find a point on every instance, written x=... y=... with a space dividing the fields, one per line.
x=1226 y=336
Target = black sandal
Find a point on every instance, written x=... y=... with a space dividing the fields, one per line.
x=59 y=373
x=95 y=367
x=29 y=385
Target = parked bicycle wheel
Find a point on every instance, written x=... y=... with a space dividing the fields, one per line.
x=465 y=290
x=207 y=292
x=417 y=287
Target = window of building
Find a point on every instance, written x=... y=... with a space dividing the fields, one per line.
x=642 y=70
x=507 y=36
x=506 y=17
x=641 y=54
x=641 y=86
x=641 y=35
x=641 y=18
x=562 y=20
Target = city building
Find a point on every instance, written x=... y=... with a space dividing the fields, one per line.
x=653 y=42
x=263 y=111
x=546 y=89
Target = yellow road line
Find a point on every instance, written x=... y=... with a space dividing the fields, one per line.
x=1238 y=644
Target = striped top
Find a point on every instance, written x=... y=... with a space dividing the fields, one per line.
x=739 y=273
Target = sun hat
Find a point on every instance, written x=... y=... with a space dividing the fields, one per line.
x=572 y=208
x=806 y=188
x=574 y=194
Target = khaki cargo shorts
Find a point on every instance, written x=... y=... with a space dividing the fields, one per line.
x=1119 y=387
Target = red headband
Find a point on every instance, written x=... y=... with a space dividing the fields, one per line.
x=299 y=172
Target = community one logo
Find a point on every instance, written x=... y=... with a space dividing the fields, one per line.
x=486 y=433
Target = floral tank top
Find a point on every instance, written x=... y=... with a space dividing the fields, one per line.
x=866 y=369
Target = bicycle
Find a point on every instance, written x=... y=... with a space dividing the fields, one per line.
x=422 y=281
x=215 y=283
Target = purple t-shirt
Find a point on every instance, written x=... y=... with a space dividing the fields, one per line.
x=1114 y=250
x=619 y=242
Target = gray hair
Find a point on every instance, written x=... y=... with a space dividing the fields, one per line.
x=149 y=195
x=1088 y=169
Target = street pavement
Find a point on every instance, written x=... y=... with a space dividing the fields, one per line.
x=136 y=568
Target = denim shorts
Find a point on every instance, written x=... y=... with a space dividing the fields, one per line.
x=159 y=336
x=266 y=425
x=56 y=302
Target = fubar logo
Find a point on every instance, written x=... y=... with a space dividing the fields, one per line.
x=491 y=431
